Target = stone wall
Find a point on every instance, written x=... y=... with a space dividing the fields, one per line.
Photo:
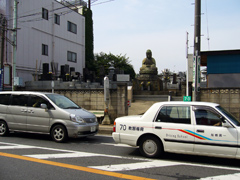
x=228 y=98
x=93 y=100
x=88 y=97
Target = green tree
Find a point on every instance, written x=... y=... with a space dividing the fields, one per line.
x=87 y=13
x=103 y=61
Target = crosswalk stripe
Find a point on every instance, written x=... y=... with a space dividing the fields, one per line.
x=62 y=155
x=224 y=177
x=147 y=163
x=117 y=145
x=16 y=147
x=134 y=166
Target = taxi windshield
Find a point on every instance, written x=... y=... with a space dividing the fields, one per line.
x=229 y=115
x=62 y=101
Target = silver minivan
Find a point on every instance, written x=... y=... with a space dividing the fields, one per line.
x=45 y=113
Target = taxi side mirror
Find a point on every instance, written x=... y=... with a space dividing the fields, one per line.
x=226 y=124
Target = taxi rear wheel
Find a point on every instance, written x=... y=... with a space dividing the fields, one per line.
x=151 y=147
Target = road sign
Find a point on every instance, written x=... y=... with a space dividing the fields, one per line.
x=129 y=103
x=187 y=98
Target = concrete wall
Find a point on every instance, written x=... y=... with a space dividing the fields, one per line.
x=228 y=98
x=223 y=80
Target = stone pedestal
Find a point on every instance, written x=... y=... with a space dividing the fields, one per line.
x=106 y=120
x=147 y=82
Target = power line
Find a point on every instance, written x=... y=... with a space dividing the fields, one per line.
x=53 y=10
x=50 y=17
x=40 y=12
x=93 y=1
x=102 y=2
x=60 y=13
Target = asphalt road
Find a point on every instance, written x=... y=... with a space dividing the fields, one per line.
x=30 y=156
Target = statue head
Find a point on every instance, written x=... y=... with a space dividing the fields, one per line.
x=149 y=54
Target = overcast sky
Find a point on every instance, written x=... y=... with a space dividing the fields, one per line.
x=130 y=27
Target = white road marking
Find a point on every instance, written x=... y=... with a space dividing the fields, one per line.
x=224 y=177
x=148 y=163
x=62 y=155
x=16 y=147
x=134 y=166
x=118 y=145
x=73 y=154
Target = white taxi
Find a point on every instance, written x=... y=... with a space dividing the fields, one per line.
x=199 y=128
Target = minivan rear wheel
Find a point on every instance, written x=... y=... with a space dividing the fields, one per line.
x=59 y=133
x=3 y=128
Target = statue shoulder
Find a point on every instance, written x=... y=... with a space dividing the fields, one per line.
x=153 y=60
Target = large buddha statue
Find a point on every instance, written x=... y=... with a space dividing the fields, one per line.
x=148 y=64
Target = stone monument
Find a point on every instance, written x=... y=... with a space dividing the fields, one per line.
x=148 y=81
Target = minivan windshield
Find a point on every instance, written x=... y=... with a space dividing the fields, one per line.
x=62 y=101
x=229 y=115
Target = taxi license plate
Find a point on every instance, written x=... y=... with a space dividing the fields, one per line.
x=93 y=128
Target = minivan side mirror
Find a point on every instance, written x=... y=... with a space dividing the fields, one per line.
x=44 y=106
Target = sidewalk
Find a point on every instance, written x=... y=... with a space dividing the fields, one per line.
x=105 y=129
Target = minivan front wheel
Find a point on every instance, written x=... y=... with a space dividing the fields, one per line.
x=3 y=129
x=59 y=133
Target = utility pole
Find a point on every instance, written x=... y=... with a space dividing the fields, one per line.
x=196 y=53
x=89 y=4
x=14 y=43
x=3 y=24
x=187 y=90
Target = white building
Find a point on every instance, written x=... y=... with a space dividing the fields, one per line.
x=47 y=32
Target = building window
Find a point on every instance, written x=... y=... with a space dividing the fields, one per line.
x=57 y=19
x=45 y=49
x=44 y=13
x=71 y=56
x=72 y=27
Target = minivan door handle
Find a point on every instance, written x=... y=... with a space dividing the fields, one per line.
x=200 y=130
x=158 y=127
x=23 y=110
x=30 y=111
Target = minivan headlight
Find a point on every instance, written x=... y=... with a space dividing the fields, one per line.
x=76 y=118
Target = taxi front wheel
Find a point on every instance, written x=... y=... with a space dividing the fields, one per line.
x=151 y=147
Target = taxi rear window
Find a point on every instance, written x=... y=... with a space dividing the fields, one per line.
x=174 y=114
